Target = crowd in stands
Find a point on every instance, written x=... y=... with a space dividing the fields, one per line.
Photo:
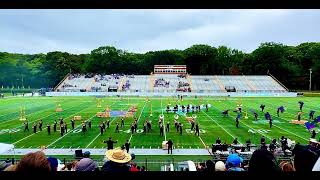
x=72 y=76
x=182 y=76
x=304 y=158
x=100 y=77
x=183 y=84
x=161 y=83
x=183 y=87
x=126 y=86
x=264 y=158
x=96 y=89
x=90 y=75
x=116 y=76
x=130 y=76
x=67 y=85
x=116 y=160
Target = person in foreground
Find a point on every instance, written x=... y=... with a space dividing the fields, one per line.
x=234 y=163
x=117 y=161
x=263 y=160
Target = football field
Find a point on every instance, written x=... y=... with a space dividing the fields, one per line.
x=212 y=123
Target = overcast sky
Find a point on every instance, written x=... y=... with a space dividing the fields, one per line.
x=80 y=31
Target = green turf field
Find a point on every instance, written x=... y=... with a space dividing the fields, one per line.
x=212 y=123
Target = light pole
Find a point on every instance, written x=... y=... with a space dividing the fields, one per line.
x=310 y=79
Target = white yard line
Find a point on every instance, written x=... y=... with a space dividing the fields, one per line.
x=92 y=140
x=205 y=146
x=139 y=117
x=25 y=137
x=13 y=119
x=66 y=133
x=245 y=124
x=219 y=125
x=287 y=130
x=47 y=116
x=100 y=132
x=74 y=129
x=41 y=131
x=249 y=127
x=164 y=124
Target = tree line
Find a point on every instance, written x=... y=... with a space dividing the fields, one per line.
x=289 y=64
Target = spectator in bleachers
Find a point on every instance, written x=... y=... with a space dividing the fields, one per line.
x=262 y=160
x=32 y=162
x=70 y=166
x=53 y=163
x=86 y=164
x=304 y=158
x=4 y=165
x=86 y=154
x=118 y=161
x=201 y=167
x=134 y=167
x=209 y=166
x=234 y=163
x=219 y=166
x=143 y=168
x=286 y=166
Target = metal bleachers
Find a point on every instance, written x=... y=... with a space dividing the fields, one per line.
x=197 y=83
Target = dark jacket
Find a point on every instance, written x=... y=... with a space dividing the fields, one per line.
x=115 y=167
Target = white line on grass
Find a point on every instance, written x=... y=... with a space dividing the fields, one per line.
x=219 y=125
x=2 y=122
x=46 y=116
x=248 y=126
x=66 y=134
x=74 y=128
x=25 y=137
x=205 y=146
x=287 y=130
x=100 y=132
x=139 y=117
x=41 y=131
x=165 y=136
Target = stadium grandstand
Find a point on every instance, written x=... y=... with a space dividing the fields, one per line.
x=171 y=79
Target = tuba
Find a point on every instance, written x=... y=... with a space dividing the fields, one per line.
x=176 y=117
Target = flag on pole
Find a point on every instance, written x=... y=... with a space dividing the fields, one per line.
x=310 y=126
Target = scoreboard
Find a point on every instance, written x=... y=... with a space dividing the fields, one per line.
x=170 y=69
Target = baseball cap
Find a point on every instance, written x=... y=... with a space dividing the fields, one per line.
x=219 y=166
x=234 y=160
x=86 y=154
